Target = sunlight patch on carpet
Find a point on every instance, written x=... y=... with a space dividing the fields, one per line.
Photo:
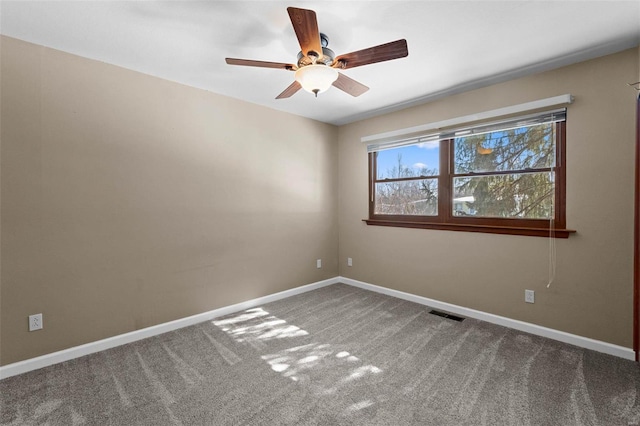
x=258 y=324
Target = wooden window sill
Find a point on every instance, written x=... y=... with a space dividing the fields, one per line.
x=505 y=230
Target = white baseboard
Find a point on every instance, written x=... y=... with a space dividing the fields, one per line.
x=584 y=342
x=111 y=342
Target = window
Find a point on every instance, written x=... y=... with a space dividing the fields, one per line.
x=504 y=177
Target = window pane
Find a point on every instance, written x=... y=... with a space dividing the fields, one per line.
x=409 y=197
x=515 y=149
x=409 y=161
x=521 y=196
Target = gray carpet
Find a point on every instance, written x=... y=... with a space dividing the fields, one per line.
x=334 y=356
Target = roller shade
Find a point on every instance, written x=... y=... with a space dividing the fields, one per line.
x=512 y=123
x=464 y=126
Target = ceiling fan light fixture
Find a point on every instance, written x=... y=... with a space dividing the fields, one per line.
x=316 y=78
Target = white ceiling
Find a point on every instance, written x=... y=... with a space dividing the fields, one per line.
x=453 y=45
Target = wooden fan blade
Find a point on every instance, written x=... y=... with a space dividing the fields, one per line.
x=349 y=85
x=289 y=91
x=384 y=52
x=261 y=64
x=306 y=27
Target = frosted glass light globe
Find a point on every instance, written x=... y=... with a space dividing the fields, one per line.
x=316 y=78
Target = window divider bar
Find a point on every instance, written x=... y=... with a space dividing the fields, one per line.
x=391 y=180
x=505 y=172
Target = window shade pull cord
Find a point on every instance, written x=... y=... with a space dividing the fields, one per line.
x=552 y=246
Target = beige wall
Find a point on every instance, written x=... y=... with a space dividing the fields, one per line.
x=129 y=201
x=592 y=293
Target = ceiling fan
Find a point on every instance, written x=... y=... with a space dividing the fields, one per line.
x=317 y=66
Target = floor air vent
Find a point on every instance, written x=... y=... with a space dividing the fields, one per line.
x=446 y=315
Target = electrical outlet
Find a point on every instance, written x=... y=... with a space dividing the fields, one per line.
x=319 y=263
x=349 y=261
x=35 y=322
x=529 y=296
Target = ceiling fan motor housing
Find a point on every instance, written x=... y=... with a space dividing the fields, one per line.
x=327 y=57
